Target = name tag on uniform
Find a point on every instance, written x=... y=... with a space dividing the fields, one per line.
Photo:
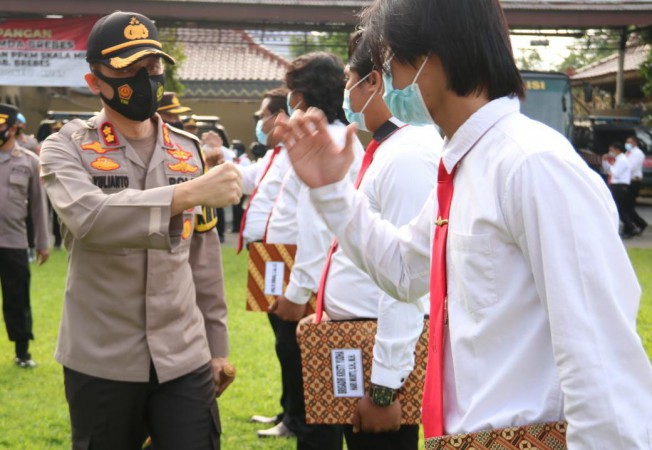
x=274 y=274
x=348 y=378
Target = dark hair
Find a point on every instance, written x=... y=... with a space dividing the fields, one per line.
x=278 y=100
x=360 y=59
x=319 y=76
x=219 y=129
x=470 y=37
x=634 y=138
x=617 y=145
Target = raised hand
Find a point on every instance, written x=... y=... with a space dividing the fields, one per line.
x=217 y=188
x=315 y=157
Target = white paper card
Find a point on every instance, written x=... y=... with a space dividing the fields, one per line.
x=348 y=378
x=274 y=274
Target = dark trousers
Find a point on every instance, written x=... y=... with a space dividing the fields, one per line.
x=309 y=437
x=15 y=279
x=634 y=189
x=620 y=193
x=220 y=223
x=406 y=438
x=56 y=228
x=110 y=415
x=237 y=210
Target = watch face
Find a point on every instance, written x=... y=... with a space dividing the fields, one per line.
x=382 y=396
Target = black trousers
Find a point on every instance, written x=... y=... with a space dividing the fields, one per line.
x=634 y=189
x=15 y=279
x=220 y=223
x=309 y=437
x=110 y=415
x=406 y=438
x=237 y=210
x=620 y=193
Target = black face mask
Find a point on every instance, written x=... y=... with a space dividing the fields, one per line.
x=137 y=97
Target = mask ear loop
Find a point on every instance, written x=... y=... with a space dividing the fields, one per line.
x=416 y=77
x=370 y=98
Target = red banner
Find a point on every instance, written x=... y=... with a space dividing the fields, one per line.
x=44 y=52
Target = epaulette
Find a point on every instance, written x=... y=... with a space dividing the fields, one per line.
x=183 y=133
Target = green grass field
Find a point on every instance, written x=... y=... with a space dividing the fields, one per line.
x=33 y=410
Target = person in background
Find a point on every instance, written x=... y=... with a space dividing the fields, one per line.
x=616 y=164
x=315 y=80
x=401 y=174
x=257 y=150
x=20 y=191
x=636 y=157
x=26 y=141
x=242 y=160
x=171 y=109
x=533 y=297
x=143 y=337
x=262 y=182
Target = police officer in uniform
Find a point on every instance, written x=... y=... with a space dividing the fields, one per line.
x=170 y=110
x=143 y=337
x=20 y=190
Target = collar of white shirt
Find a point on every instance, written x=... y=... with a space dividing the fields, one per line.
x=475 y=127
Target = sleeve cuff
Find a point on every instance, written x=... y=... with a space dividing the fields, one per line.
x=297 y=294
x=390 y=378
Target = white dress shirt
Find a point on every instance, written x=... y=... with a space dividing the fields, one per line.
x=397 y=184
x=542 y=297
x=294 y=220
x=620 y=171
x=263 y=201
x=636 y=157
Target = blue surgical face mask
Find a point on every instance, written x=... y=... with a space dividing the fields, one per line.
x=260 y=134
x=407 y=104
x=352 y=116
x=290 y=108
x=628 y=146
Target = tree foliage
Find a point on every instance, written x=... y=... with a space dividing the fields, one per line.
x=646 y=68
x=529 y=60
x=168 y=38
x=336 y=42
x=593 y=46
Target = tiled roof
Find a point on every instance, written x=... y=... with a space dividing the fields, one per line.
x=220 y=54
x=634 y=58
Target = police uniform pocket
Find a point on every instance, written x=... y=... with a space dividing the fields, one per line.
x=472 y=259
x=18 y=185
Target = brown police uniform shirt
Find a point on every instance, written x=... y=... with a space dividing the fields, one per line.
x=142 y=286
x=20 y=190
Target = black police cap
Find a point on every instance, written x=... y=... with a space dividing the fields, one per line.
x=123 y=38
x=8 y=114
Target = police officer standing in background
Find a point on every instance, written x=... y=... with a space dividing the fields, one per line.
x=19 y=187
x=143 y=338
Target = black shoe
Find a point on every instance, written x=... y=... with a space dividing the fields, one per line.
x=641 y=229
x=628 y=235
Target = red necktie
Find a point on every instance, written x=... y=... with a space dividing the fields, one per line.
x=366 y=162
x=275 y=152
x=433 y=392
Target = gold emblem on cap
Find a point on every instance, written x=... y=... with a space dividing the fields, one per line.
x=136 y=30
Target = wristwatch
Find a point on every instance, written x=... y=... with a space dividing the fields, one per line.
x=382 y=396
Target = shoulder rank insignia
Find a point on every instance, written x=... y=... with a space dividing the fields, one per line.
x=180 y=154
x=105 y=164
x=167 y=142
x=183 y=167
x=109 y=136
x=96 y=147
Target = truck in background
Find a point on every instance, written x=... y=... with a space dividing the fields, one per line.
x=549 y=100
